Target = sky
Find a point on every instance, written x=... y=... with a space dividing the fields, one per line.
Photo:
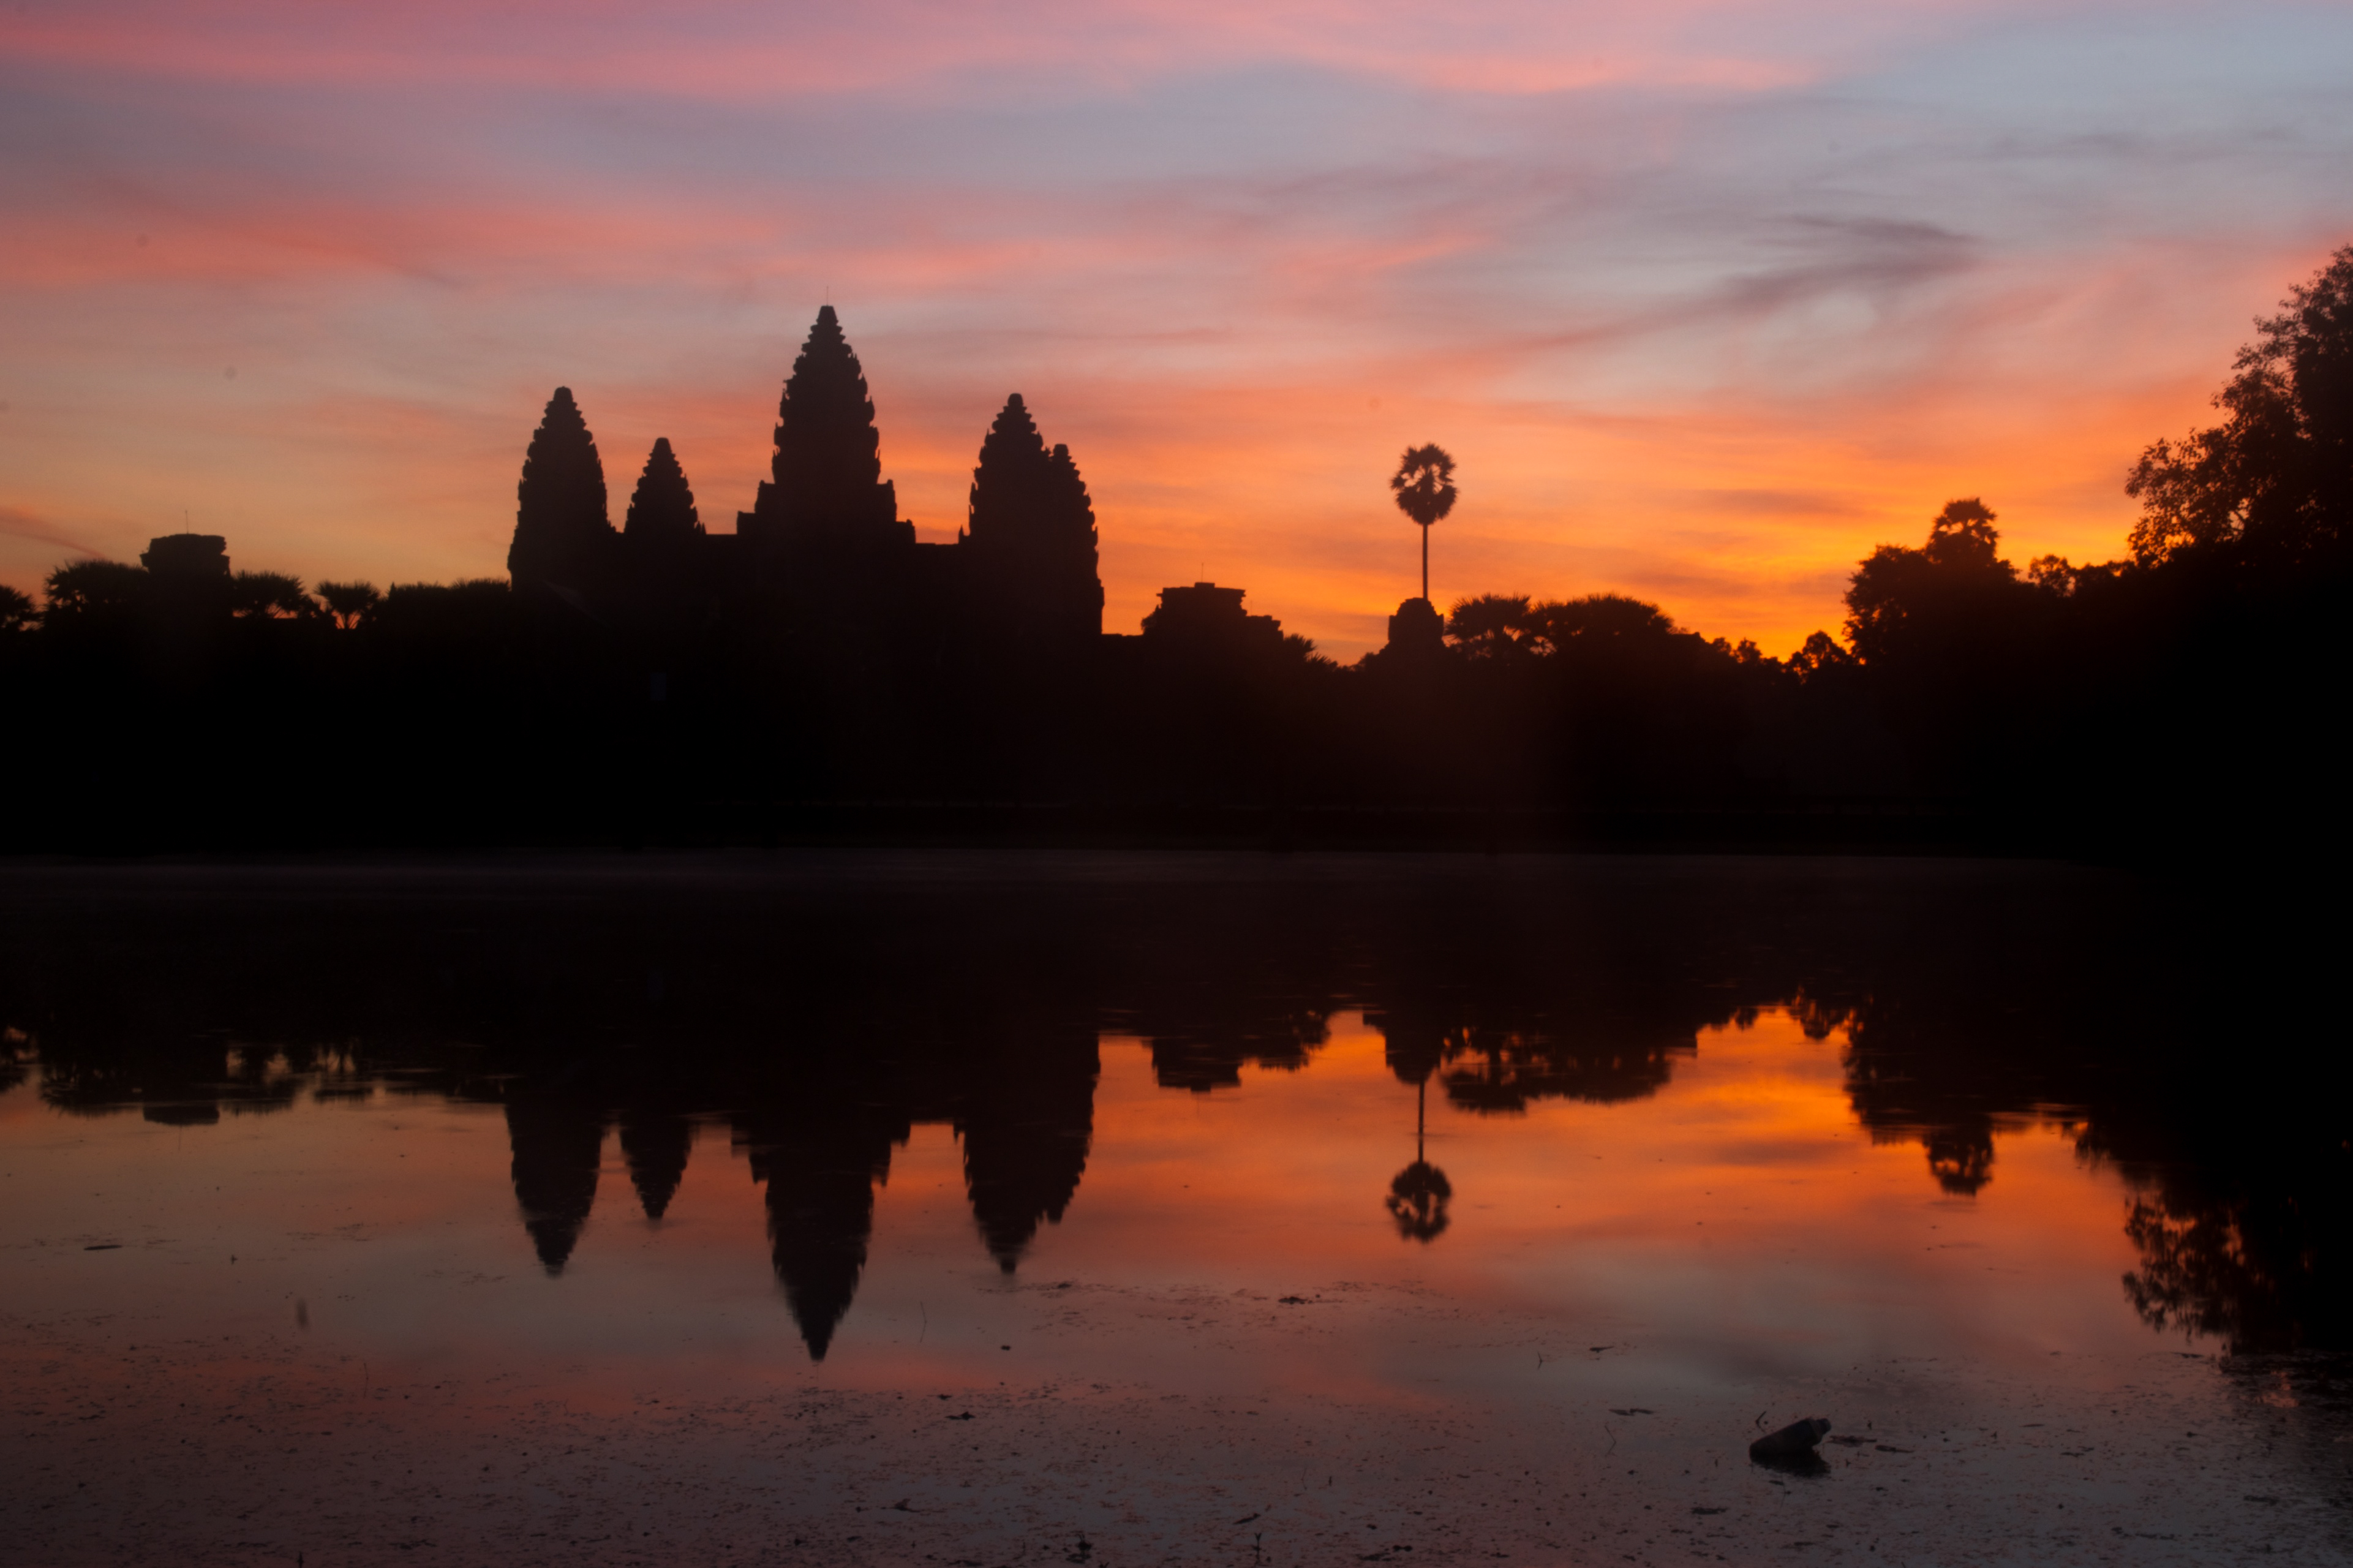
x=1707 y=298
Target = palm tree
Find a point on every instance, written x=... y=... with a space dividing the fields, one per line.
x=349 y=602
x=1424 y=483
x=94 y=588
x=270 y=596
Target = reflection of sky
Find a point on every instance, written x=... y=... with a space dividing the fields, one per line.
x=1708 y=298
x=1738 y=1224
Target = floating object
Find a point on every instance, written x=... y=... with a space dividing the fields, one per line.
x=1795 y=1441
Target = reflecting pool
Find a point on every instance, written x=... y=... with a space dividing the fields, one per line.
x=868 y=1207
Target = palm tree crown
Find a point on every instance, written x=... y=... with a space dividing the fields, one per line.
x=1424 y=483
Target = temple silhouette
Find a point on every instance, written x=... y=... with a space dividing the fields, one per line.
x=818 y=673
x=823 y=550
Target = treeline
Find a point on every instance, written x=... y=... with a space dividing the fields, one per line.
x=2189 y=692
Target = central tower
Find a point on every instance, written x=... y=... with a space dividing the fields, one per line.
x=828 y=489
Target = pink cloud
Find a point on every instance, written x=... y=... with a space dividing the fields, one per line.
x=754 y=49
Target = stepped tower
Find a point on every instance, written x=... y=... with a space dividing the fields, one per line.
x=827 y=488
x=1032 y=527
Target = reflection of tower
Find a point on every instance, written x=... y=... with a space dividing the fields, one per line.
x=557 y=1144
x=1025 y=1146
x=655 y=1143
x=820 y=1182
x=1418 y=1196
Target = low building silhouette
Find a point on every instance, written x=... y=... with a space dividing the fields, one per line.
x=1416 y=632
x=199 y=557
x=1207 y=616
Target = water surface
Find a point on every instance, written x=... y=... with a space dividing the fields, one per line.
x=1117 y=1197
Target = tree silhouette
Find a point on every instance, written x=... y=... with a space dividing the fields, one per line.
x=1495 y=627
x=1962 y=537
x=269 y=596
x=17 y=609
x=2280 y=467
x=94 y=588
x=1818 y=655
x=561 y=524
x=349 y=603
x=1906 y=601
x=1595 y=616
x=663 y=505
x=1424 y=485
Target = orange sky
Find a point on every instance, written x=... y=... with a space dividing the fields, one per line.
x=1708 y=299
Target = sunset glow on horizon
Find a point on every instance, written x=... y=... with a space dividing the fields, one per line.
x=1708 y=299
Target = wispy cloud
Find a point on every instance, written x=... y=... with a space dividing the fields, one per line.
x=16 y=523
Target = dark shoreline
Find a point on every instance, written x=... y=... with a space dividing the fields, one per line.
x=1875 y=828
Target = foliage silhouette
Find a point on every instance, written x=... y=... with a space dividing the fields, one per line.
x=1417 y=1202
x=2278 y=472
x=17 y=610
x=1912 y=603
x=349 y=603
x=270 y=596
x=91 y=589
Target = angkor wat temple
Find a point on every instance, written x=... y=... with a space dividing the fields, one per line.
x=823 y=544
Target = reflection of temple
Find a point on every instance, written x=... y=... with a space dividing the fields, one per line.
x=792 y=1015
x=821 y=1162
x=819 y=1149
x=556 y=1142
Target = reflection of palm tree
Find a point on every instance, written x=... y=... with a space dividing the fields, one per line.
x=1418 y=1196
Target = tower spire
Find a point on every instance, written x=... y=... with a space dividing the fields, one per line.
x=826 y=485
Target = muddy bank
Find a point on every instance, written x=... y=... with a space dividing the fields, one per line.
x=125 y=1444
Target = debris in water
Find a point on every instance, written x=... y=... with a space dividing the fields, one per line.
x=1795 y=1441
